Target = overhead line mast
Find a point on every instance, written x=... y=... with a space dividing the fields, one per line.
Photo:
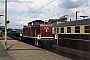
x=5 y=19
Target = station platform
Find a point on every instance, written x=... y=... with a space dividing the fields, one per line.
x=3 y=54
x=18 y=50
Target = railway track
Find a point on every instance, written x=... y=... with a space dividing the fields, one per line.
x=15 y=37
x=73 y=52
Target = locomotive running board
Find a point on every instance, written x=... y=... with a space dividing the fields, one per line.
x=37 y=37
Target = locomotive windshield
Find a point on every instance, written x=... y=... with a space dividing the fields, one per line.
x=36 y=22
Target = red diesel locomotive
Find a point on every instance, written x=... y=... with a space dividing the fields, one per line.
x=38 y=33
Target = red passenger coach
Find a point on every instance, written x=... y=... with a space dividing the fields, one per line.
x=38 y=33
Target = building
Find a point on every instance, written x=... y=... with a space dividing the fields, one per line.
x=65 y=18
x=54 y=22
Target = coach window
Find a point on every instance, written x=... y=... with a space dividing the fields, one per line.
x=87 y=29
x=62 y=30
x=77 y=29
x=68 y=29
x=57 y=30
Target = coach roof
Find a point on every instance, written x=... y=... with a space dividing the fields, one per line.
x=77 y=22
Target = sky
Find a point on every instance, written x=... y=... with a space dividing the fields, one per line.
x=20 y=12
